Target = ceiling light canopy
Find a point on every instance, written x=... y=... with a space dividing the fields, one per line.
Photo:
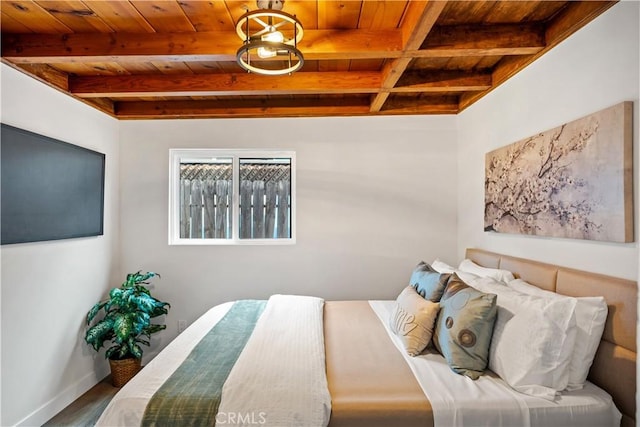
x=270 y=40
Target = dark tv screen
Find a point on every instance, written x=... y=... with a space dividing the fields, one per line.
x=50 y=189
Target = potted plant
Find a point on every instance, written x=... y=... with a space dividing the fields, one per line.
x=126 y=324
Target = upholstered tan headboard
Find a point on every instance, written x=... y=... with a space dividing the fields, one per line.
x=614 y=367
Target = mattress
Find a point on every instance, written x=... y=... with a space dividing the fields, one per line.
x=373 y=382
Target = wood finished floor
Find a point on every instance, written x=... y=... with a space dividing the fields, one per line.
x=86 y=409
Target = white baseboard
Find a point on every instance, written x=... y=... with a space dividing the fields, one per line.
x=45 y=412
x=148 y=357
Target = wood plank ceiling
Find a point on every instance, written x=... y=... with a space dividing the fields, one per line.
x=176 y=59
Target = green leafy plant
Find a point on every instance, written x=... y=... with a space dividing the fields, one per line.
x=127 y=318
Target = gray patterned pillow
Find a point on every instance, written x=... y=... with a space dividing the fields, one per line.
x=428 y=282
x=464 y=327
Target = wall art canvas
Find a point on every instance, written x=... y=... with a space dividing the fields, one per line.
x=574 y=181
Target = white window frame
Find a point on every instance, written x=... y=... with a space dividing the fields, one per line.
x=178 y=155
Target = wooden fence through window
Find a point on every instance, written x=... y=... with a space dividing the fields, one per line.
x=206 y=208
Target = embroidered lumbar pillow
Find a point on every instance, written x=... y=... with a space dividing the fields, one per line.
x=412 y=320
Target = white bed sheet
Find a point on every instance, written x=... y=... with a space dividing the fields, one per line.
x=457 y=400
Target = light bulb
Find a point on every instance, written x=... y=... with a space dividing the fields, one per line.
x=274 y=37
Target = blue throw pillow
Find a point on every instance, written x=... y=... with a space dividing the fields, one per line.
x=428 y=283
x=464 y=327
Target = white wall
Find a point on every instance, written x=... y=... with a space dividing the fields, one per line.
x=595 y=68
x=374 y=196
x=48 y=287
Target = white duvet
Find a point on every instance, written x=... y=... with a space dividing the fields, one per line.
x=279 y=379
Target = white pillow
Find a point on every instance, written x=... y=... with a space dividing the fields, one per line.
x=591 y=315
x=467 y=277
x=413 y=320
x=495 y=273
x=442 y=267
x=533 y=339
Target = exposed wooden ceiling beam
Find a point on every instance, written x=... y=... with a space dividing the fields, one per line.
x=46 y=74
x=423 y=105
x=204 y=46
x=416 y=25
x=103 y=104
x=573 y=17
x=442 y=81
x=224 y=84
x=246 y=84
x=391 y=72
x=348 y=106
x=449 y=41
x=420 y=18
x=58 y=80
x=243 y=108
x=478 y=40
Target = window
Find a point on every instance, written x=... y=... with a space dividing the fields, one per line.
x=231 y=197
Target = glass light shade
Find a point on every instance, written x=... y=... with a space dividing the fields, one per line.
x=272 y=36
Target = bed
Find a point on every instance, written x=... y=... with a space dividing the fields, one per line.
x=348 y=369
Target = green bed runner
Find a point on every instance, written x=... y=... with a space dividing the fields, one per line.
x=191 y=395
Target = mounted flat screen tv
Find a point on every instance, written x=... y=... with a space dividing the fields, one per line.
x=50 y=189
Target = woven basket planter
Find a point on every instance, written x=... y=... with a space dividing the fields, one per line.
x=123 y=370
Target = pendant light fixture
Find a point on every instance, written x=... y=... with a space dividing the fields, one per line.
x=270 y=40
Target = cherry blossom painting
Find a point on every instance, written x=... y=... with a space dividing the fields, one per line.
x=574 y=181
